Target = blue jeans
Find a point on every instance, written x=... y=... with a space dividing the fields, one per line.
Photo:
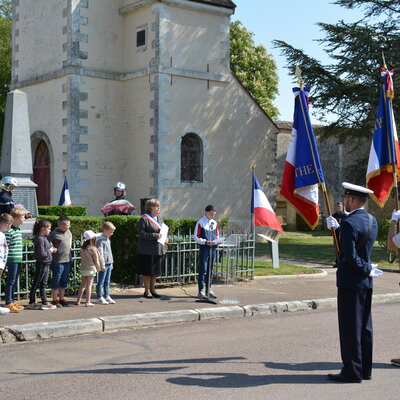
x=103 y=280
x=204 y=264
x=60 y=275
x=12 y=278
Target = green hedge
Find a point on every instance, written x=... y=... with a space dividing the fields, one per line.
x=383 y=230
x=62 y=210
x=124 y=240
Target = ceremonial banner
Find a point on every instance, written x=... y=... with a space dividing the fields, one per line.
x=385 y=146
x=302 y=172
x=65 y=198
x=261 y=208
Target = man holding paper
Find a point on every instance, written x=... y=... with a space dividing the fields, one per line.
x=206 y=235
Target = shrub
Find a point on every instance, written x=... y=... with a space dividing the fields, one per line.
x=383 y=230
x=62 y=210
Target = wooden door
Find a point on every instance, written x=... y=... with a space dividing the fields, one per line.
x=41 y=173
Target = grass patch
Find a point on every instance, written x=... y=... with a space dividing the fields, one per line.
x=265 y=268
x=310 y=247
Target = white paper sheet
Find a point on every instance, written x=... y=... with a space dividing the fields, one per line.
x=164 y=234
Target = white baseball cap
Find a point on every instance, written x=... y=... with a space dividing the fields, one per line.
x=87 y=235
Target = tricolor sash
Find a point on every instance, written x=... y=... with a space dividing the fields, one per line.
x=152 y=220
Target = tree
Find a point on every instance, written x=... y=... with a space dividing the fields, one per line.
x=349 y=87
x=254 y=68
x=5 y=58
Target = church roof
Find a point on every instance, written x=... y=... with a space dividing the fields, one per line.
x=217 y=3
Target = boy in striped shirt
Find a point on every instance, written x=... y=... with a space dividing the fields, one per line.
x=14 y=241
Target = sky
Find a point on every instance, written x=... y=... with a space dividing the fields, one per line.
x=293 y=21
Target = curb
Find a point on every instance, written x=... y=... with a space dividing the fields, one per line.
x=52 y=330
x=317 y=275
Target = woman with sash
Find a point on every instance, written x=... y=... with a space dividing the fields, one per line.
x=150 y=247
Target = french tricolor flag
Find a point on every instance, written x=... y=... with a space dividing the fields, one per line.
x=302 y=173
x=385 y=151
x=65 y=198
x=261 y=208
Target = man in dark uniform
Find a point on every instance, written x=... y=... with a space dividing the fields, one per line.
x=7 y=185
x=354 y=282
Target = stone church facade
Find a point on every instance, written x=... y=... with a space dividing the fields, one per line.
x=140 y=91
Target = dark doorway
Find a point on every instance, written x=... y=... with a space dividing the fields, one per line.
x=41 y=173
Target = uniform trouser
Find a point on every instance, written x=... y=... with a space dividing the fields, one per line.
x=355 y=331
x=39 y=281
x=206 y=262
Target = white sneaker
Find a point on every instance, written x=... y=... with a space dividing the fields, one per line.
x=202 y=294
x=212 y=295
x=109 y=300
x=4 y=310
x=47 y=307
x=102 y=300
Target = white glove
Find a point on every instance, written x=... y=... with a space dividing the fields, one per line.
x=331 y=223
x=375 y=272
x=396 y=215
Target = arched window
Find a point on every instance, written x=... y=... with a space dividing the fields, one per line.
x=191 y=158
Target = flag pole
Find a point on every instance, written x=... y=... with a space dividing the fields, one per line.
x=393 y=161
x=252 y=227
x=253 y=230
x=322 y=184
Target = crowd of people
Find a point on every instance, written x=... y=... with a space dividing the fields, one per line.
x=52 y=251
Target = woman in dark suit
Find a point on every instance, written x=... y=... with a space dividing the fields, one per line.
x=150 y=251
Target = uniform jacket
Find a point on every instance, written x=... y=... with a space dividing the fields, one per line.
x=6 y=202
x=147 y=242
x=354 y=266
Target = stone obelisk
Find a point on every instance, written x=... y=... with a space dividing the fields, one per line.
x=16 y=154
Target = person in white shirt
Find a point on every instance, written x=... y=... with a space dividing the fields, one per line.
x=206 y=235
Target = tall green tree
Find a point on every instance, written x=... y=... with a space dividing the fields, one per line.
x=348 y=87
x=254 y=68
x=5 y=58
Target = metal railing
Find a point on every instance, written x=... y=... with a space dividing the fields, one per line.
x=232 y=263
x=180 y=267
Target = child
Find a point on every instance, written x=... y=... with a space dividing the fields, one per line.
x=61 y=238
x=43 y=255
x=103 y=244
x=205 y=234
x=5 y=224
x=14 y=259
x=90 y=264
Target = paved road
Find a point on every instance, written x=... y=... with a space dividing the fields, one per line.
x=284 y=356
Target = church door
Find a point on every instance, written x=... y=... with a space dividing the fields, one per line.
x=41 y=173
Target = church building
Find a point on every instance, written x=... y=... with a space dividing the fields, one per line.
x=140 y=91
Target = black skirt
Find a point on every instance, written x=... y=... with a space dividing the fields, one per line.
x=149 y=265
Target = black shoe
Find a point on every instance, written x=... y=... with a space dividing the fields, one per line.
x=63 y=303
x=367 y=377
x=156 y=295
x=342 y=378
x=57 y=304
x=147 y=296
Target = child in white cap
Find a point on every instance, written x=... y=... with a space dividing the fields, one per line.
x=91 y=263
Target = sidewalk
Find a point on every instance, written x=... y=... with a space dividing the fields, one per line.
x=261 y=291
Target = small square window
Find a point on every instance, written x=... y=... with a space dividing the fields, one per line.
x=141 y=38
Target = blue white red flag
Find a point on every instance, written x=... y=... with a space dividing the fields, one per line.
x=385 y=149
x=264 y=215
x=65 y=198
x=302 y=172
